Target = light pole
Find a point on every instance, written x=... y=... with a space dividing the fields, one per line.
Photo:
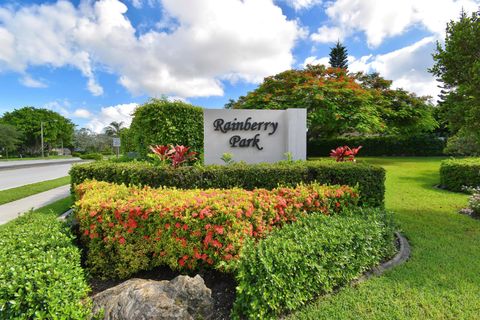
x=41 y=137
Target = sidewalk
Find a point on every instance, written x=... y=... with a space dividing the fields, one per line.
x=11 y=210
x=7 y=165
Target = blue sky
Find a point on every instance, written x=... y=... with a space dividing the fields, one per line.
x=94 y=61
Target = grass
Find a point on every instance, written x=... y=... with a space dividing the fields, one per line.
x=30 y=189
x=441 y=280
x=35 y=158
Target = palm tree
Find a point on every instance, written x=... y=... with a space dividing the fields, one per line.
x=114 y=129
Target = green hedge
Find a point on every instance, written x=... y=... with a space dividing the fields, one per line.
x=313 y=256
x=458 y=173
x=160 y=121
x=424 y=145
x=91 y=156
x=370 y=179
x=40 y=272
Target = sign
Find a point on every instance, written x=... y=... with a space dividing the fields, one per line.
x=254 y=136
x=116 y=142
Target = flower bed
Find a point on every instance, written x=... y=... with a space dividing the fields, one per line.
x=370 y=179
x=127 y=229
x=455 y=174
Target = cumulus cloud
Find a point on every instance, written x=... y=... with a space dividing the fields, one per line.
x=327 y=34
x=407 y=67
x=213 y=41
x=118 y=113
x=28 y=81
x=302 y=4
x=82 y=113
x=388 y=18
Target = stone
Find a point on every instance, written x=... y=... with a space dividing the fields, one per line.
x=183 y=298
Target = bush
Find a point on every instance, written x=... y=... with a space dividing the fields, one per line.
x=370 y=179
x=423 y=145
x=160 y=121
x=40 y=272
x=313 y=256
x=128 y=229
x=455 y=174
x=463 y=143
x=91 y=156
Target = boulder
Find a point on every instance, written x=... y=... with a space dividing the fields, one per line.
x=180 y=299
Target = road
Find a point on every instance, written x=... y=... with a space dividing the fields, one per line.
x=12 y=178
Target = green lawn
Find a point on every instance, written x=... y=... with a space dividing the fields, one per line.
x=30 y=189
x=442 y=278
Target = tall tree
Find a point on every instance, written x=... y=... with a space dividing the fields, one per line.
x=114 y=128
x=29 y=121
x=339 y=56
x=9 y=138
x=457 y=66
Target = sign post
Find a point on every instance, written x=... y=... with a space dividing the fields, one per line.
x=116 y=144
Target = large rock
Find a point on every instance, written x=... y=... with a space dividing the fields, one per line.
x=182 y=298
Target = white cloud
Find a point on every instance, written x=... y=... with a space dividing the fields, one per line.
x=60 y=106
x=302 y=4
x=213 y=41
x=407 y=67
x=28 y=81
x=326 y=34
x=388 y=18
x=313 y=60
x=82 y=113
x=118 y=113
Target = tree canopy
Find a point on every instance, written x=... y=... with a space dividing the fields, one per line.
x=339 y=103
x=338 y=56
x=28 y=120
x=9 y=138
x=457 y=66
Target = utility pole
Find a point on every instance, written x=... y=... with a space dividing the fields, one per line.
x=41 y=137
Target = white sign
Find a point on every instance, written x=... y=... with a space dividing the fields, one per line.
x=254 y=136
x=116 y=142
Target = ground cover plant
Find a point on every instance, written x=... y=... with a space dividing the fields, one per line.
x=40 y=272
x=313 y=256
x=128 y=229
x=369 y=179
x=458 y=174
x=440 y=280
x=30 y=189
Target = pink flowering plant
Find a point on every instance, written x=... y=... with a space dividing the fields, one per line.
x=345 y=153
x=175 y=156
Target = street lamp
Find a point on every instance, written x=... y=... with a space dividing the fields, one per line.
x=41 y=135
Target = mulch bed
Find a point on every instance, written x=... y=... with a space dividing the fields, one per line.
x=222 y=286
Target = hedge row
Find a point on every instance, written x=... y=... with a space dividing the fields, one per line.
x=370 y=179
x=128 y=229
x=458 y=173
x=40 y=272
x=313 y=256
x=424 y=145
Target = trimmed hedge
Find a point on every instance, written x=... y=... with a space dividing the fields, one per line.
x=423 y=145
x=91 y=156
x=369 y=178
x=40 y=272
x=458 y=173
x=160 y=121
x=310 y=257
x=129 y=229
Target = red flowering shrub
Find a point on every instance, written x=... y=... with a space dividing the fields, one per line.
x=345 y=153
x=177 y=155
x=128 y=229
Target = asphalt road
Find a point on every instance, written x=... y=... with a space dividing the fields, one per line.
x=22 y=176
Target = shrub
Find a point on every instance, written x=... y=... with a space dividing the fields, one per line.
x=370 y=179
x=160 y=121
x=91 y=156
x=455 y=174
x=422 y=145
x=315 y=255
x=345 y=153
x=40 y=272
x=128 y=229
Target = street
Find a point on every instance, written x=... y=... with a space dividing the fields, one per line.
x=18 y=177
